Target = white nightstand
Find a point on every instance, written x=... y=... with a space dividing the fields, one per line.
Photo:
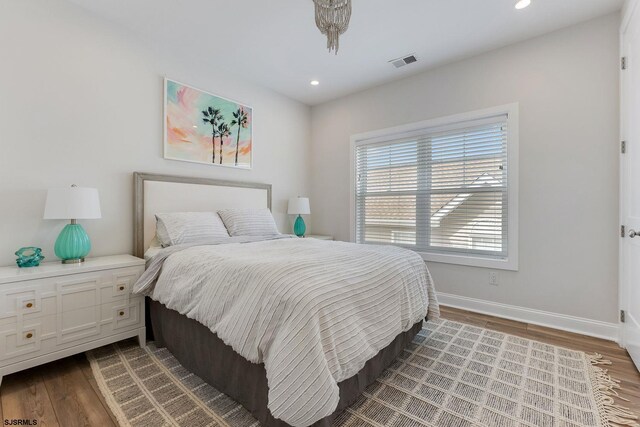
x=56 y=310
x=319 y=237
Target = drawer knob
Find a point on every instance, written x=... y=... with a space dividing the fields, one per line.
x=121 y=288
x=29 y=304
x=121 y=313
x=29 y=335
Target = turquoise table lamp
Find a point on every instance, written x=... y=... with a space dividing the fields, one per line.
x=299 y=206
x=72 y=203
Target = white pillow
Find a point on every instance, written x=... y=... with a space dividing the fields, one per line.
x=188 y=227
x=249 y=222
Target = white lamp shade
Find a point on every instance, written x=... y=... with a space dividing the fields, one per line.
x=299 y=206
x=72 y=203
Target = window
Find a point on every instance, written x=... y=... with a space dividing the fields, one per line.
x=445 y=188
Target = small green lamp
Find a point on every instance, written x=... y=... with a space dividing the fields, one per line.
x=72 y=203
x=299 y=206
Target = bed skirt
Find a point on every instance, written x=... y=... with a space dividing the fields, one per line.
x=207 y=356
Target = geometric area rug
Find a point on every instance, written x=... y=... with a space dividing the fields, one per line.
x=453 y=374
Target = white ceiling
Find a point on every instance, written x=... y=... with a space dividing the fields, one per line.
x=275 y=43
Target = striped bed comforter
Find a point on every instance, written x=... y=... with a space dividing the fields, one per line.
x=312 y=311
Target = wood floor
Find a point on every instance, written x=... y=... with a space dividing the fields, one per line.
x=64 y=393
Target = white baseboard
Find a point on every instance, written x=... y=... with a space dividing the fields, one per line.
x=579 y=325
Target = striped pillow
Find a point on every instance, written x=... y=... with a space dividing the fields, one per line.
x=249 y=222
x=188 y=227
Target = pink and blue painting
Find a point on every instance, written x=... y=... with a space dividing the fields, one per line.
x=204 y=128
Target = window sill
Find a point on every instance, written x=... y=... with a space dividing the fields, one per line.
x=472 y=261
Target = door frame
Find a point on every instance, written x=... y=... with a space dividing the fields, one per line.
x=630 y=8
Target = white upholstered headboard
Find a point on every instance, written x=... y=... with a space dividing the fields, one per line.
x=165 y=193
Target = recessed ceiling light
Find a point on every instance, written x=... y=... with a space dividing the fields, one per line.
x=522 y=4
x=195 y=126
x=314 y=83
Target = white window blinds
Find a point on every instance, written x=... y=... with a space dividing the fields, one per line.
x=440 y=190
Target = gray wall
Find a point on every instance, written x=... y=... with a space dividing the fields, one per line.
x=84 y=105
x=567 y=86
x=81 y=102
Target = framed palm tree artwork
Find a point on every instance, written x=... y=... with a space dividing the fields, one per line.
x=204 y=128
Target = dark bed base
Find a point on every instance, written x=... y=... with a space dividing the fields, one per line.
x=203 y=353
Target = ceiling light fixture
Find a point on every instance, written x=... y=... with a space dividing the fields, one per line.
x=522 y=4
x=314 y=83
x=332 y=19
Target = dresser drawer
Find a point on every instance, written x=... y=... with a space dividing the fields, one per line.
x=56 y=310
x=45 y=297
x=41 y=335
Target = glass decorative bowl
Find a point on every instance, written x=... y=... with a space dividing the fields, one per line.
x=29 y=257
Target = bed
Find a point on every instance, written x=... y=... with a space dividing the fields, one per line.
x=293 y=329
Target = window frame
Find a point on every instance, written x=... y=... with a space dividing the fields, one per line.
x=453 y=121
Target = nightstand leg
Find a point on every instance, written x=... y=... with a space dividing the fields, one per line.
x=142 y=338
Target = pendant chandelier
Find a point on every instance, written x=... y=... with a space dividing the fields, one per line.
x=332 y=19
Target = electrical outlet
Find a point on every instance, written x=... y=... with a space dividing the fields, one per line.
x=493 y=278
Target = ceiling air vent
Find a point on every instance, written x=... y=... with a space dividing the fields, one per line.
x=406 y=60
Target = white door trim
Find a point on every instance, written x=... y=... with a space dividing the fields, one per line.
x=627 y=12
x=629 y=9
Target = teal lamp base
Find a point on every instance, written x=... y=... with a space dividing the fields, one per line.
x=73 y=244
x=299 y=228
